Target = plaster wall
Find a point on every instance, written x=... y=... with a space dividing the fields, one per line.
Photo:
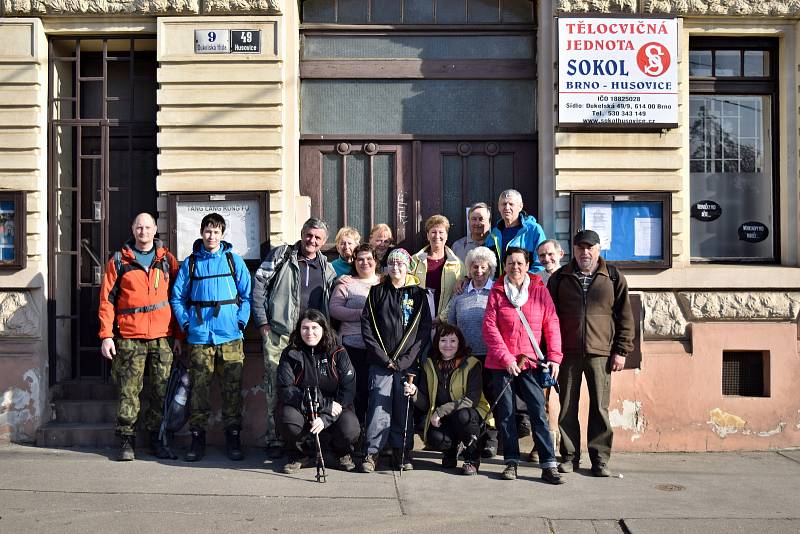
x=23 y=167
x=675 y=402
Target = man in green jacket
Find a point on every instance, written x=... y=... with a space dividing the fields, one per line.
x=597 y=331
x=290 y=280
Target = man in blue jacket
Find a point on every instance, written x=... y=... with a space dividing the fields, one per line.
x=211 y=302
x=515 y=229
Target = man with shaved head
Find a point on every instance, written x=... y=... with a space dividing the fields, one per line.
x=135 y=329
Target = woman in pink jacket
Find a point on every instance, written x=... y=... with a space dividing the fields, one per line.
x=510 y=356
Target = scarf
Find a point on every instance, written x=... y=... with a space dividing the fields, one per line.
x=517 y=297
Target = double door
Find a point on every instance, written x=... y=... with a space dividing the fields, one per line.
x=401 y=183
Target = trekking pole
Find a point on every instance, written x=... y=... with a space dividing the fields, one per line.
x=313 y=403
x=409 y=380
x=473 y=438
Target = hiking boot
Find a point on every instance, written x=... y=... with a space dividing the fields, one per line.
x=551 y=476
x=523 y=428
x=158 y=449
x=568 y=465
x=470 y=467
x=510 y=472
x=533 y=456
x=600 y=470
x=126 y=453
x=346 y=463
x=370 y=463
x=402 y=460
x=198 y=447
x=490 y=451
x=233 y=443
x=295 y=464
x=275 y=449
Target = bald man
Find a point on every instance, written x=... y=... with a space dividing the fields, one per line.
x=135 y=329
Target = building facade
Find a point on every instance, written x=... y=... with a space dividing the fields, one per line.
x=368 y=111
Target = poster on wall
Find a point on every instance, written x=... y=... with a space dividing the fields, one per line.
x=242 y=222
x=616 y=72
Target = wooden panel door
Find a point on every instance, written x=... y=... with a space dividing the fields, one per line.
x=360 y=184
x=454 y=175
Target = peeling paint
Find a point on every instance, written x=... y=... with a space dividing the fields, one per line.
x=777 y=430
x=629 y=418
x=723 y=423
x=21 y=406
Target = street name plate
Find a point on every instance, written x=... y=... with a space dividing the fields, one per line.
x=246 y=41
x=212 y=41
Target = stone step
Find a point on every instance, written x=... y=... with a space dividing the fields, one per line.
x=55 y=435
x=84 y=411
x=86 y=389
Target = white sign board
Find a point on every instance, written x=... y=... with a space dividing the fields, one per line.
x=212 y=41
x=618 y=71
x=242 y=225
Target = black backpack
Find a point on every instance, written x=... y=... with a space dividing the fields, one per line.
x=177 y=403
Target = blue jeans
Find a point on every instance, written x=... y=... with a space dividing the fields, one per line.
x=526 y=386
x=386 y=411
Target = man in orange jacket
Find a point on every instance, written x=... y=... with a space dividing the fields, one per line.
x=136 y=323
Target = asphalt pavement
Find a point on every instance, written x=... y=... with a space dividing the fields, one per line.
x=75 y=490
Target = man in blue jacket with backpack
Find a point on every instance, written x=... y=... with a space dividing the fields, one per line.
x=211 y=302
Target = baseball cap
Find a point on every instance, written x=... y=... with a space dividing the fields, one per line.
x=589 y=237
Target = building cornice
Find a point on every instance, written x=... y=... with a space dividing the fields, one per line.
x=147 y=8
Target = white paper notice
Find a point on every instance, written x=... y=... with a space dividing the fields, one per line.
x=598 y=218
x=648 y=237
x=242 y=222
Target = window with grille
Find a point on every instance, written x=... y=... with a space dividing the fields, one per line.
x=733 y=150
x=743 y=373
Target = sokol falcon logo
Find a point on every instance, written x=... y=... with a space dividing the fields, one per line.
x=653 y=59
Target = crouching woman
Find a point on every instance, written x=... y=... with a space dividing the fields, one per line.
x=314 y=368
x=450 y=394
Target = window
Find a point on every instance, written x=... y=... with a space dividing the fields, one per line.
x=12 y=230
x=733 y=150
x=743 y=374
x=418 y=11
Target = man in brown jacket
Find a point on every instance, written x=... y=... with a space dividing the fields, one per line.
x=597 y=329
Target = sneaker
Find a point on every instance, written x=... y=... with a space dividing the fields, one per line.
x=346 y=463
x=533 y=456
x=568 y=466
x=510 y=472
x=470 y=468
x=600 y=470
x=449 y=462
x=402 y=461
x=295 y=464
x=370 y=463
x=551 y=476
x=126 y=453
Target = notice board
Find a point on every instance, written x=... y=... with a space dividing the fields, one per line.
x=635 y=229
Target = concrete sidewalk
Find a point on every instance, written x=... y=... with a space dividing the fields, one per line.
x=48 y=490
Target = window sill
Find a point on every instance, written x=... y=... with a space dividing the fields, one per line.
x=715 y=276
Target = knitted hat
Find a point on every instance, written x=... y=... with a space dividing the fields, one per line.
x=399 y=254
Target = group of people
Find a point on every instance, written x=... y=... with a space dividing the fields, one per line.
x=361 y=352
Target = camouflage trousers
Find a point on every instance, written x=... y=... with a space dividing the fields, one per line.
x=127 y=371
x=227 y=361
x=273 y=347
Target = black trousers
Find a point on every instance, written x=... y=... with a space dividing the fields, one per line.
x=340 y=437
x=458 y=427
x=358 y=357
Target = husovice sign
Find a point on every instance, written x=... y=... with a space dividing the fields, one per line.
x=618 y=72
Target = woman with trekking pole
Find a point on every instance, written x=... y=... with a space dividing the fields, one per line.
x=315 y=377
x=449 y=393
x=519 y=315
x=396 y=326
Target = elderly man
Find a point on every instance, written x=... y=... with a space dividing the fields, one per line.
x=597 y=328
x=550 y=254
x=290 y=280
x=135 y=325
x=515 y=229
x=480 y=223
